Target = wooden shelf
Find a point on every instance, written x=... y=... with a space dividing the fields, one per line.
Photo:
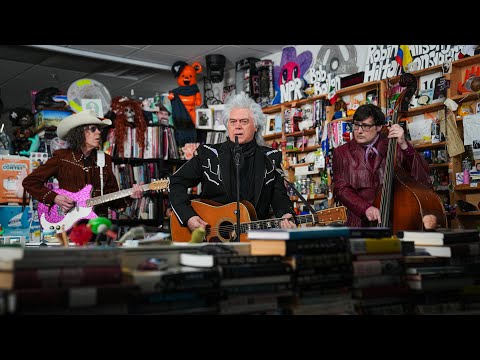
x=466 y=188
x=349 y=118
x=308 y=132
x=305 y=149
x=272 y=109
x=425 y=109
x=472 y=60
x=471 y=96
x=272 y=136
x=430 y=145
x=315 y=197
x=419 y=73
x=302 y=164
x=469 y=213
x=295 y=103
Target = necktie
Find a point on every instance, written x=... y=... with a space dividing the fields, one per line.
x=370 y=153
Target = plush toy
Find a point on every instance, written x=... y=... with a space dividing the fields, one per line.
x=24 y=119
x=186 y=96
x=128 y=113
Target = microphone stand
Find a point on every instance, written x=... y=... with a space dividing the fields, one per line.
x=300 y=196
x=237 y=152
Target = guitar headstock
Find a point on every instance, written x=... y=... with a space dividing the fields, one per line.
x=161 y=184
x=332 y=215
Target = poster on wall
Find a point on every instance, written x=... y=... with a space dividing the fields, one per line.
x=385 y=61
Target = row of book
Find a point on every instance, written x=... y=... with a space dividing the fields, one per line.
x=322 y=270
x=160 y=143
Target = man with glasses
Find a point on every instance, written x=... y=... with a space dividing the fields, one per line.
x=76 y=167
x=214 y=167
x=358 y=166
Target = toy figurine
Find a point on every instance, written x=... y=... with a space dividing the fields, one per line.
x=128 y=113
x=187 y=93
x=24 y=119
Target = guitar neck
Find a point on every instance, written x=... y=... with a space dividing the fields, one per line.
x=273 y=223
x=112 y=196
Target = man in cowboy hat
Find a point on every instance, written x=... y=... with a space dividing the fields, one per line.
x=76 y=166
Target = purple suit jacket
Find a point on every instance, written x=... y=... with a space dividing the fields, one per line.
x=356 y=184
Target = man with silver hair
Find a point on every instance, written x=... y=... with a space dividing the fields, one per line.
x=214 y=167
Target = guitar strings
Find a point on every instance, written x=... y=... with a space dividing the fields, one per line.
x=254 y=225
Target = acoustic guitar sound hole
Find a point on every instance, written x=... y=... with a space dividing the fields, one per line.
x=225 y=230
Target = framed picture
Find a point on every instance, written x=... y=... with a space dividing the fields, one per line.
x=273 y=124
x=93 y=104
x=217 y=111
x=204 y=119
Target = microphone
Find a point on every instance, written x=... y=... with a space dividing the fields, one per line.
x=237 y=150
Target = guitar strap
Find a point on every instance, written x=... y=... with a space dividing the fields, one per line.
x=101 y=164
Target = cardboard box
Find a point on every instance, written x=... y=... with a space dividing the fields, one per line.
x=13 y=170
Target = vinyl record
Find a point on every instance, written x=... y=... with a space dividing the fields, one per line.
x=88 y=89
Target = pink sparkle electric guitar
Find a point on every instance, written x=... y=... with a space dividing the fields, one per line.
x=54 y=218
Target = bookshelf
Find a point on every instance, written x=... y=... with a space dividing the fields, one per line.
x=466 y=192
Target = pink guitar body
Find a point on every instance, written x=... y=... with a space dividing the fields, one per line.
x=54 y=218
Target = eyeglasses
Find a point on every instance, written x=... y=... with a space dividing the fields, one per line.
x=365 y=127
x=243 y=122
x=92 y=128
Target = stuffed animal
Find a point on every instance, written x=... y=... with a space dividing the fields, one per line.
x=24 y=119
x=187 y=95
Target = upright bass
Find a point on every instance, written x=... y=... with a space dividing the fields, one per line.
x=403 y=202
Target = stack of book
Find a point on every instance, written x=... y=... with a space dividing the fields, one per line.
x=68 y=281
x=445 y=270
x=8 y=255
x=378 y=274
x=175 y=290
x=321 y=266
x=250 y=284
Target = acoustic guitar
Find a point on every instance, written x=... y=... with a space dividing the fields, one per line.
x=222 y=220
x=54 y=218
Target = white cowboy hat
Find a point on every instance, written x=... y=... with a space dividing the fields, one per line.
x=85 y=117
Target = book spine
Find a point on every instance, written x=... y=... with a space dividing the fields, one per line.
x=377 y=267
x=247 y=259
x=236 y=271
x=319 y=260
x=374 y=246
x=65 y=277
x=323 y=246
x=472 y=249
x=73 y=297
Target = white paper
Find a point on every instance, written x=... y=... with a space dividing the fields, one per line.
x=420 y=130
x=471 y=128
